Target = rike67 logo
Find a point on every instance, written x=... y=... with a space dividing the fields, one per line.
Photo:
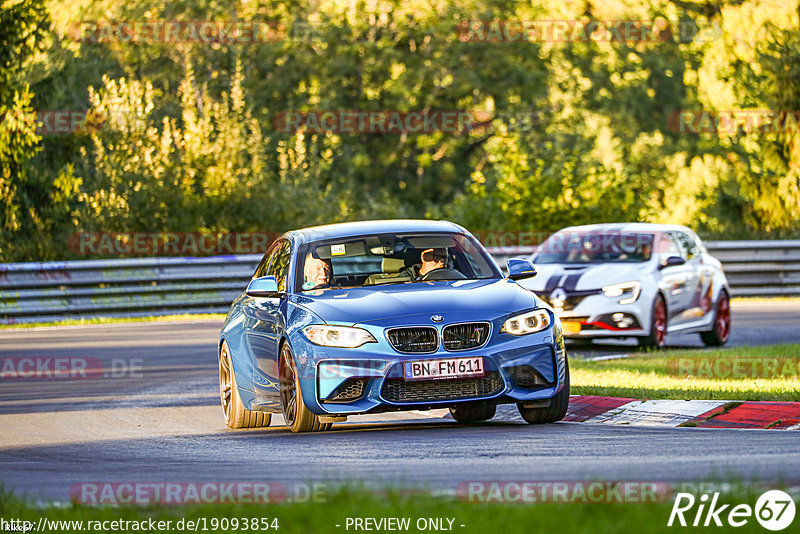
x=774 y=510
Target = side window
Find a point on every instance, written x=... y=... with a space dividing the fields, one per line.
x=279 y=266
x=261 y=270
x=688 y=245
x=668 y=246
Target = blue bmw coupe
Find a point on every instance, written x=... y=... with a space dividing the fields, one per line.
x=379 y=316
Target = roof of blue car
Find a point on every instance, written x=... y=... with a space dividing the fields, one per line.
x=333 y=231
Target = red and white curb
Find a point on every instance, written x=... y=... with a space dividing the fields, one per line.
x=655 y=412
x=762 y=414
x=698 y=413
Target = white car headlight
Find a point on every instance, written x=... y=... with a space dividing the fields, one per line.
x=337 y=336
x=629 y=291
x=527 y=323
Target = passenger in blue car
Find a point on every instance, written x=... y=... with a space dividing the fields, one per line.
x=317 y=273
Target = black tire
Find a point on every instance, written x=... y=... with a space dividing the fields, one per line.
x=295 y=412
x=721 y=327
x=657 y=337
x=236 y=416
x=549 y=414
x=472 y=413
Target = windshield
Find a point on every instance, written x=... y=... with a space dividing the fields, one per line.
x=595 y=247
x=391 y=259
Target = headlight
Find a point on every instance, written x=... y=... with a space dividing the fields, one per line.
x=337 y=336
x=527 y=323
x=629 y=291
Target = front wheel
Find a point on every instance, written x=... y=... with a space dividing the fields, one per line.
x=471 y=413
x=295 y=412
x=557 y=409
x=658 y=325
x=236 y=416
x=722 y=323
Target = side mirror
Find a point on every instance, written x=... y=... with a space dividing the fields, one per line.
x=672 y=261
x=519 y=269
x=266 y=286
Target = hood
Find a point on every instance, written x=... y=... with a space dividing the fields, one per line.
x=583 y=277
x=370 y=304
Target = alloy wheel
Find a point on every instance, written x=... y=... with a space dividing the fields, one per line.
x=288 y=386
x=660 y=322
x=723 y=325
x=225 y=382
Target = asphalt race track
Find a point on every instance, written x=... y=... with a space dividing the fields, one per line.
x=161 y=422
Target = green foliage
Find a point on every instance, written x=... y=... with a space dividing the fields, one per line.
x=207 y=169
x=17 y=144
x=23 y=26
x=22 y=31
x=770 y=179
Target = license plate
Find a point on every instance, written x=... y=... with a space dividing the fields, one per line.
x=571 y=327
x=445 y=368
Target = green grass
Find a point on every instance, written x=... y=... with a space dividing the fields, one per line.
x=112 y=320
x=477 y=518
x=647 y=376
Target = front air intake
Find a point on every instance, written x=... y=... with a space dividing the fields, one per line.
x=401 y=391
x=351 y=390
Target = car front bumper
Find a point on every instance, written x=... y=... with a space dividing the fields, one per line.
x=600 y=316
x=517 y=369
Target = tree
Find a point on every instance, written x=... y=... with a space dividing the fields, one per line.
x=22 y=30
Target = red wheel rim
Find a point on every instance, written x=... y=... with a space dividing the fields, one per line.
x=723 y=317
x=660 y=322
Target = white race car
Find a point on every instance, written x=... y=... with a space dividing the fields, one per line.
x=633 y=280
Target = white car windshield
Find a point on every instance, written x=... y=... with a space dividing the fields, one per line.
x=596 y=247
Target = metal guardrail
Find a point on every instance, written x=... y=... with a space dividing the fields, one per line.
x=157 y=286
x=121 y=288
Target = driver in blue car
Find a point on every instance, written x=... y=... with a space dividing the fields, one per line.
x=317 y=273
x=432 y=259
